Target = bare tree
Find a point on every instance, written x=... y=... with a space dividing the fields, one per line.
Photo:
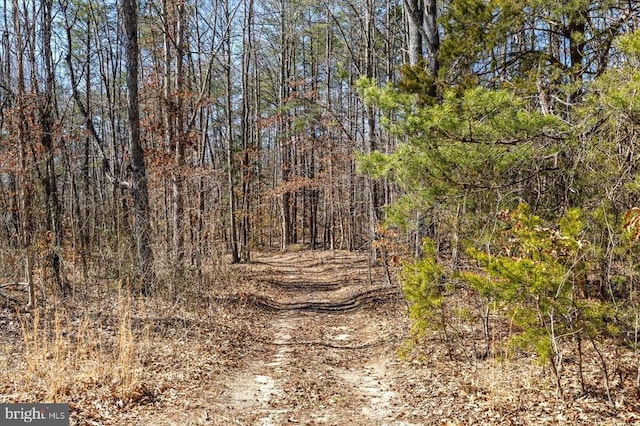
x=248 y=126
x=138 y=187
x=47 y=118
x=24 y=195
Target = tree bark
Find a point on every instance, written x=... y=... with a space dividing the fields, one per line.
x=414 y=12
x=424 y=37
x=24 y=194
x=139 y=192
x=247 y=129
x=46 y=115
x=431 y=36
x=233 y=231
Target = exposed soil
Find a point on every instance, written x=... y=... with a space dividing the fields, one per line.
x=305 y=338
x=323 y=330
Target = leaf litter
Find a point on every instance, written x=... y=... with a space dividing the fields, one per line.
x=227 y=360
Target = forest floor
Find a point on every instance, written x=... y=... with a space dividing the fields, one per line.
x=304 y=338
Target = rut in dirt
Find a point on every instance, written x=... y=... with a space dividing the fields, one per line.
x=327 y=345
x=357 y=301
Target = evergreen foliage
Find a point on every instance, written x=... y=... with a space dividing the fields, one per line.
x=478 y=141
x=423 y=287
x=535 y=282
x=543 y=196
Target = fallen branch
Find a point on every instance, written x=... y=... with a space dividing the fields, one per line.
x=16 y=283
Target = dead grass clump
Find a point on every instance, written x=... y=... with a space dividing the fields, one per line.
x=66 y=357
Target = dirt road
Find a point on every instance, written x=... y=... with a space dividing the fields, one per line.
x=328 y=345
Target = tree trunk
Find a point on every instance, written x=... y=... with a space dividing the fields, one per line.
x=24 y=194
x=46 y=114
x=247 y=129
x=432 y=37
x=288 y=201
x=233 y=231
x=142 y=224
x=174 y=121
x=423 y=35
x=414 y=11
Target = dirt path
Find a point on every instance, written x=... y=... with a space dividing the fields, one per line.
x=328 y=347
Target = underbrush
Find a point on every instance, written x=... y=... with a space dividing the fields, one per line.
x=65 y=352
x=109 y=352
x=529 y=301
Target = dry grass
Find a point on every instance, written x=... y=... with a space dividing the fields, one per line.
x=63 y=354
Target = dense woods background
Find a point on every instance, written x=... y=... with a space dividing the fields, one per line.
x=149 y=140
x=248 y=121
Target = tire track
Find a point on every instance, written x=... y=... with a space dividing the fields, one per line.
x=325 y=357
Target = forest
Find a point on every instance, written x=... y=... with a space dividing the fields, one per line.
x=479 y=155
